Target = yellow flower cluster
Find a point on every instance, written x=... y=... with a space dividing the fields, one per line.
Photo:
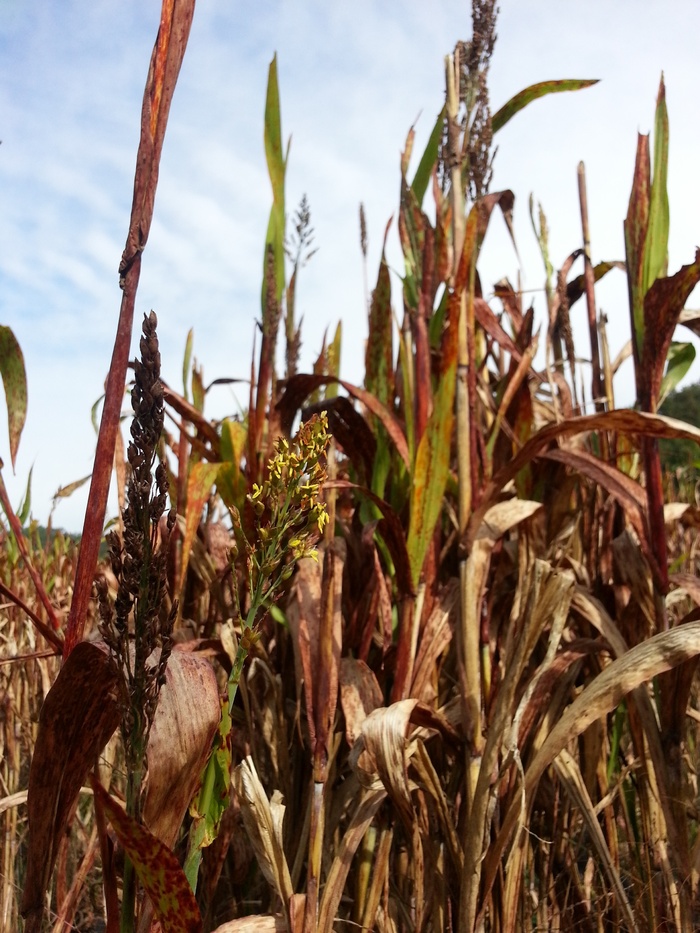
x=289 y=513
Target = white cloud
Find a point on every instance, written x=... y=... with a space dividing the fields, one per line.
x=353 y=77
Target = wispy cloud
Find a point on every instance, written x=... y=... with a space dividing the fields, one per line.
x=353 y=78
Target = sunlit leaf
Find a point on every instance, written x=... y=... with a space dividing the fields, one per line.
x=656 y=247
x=432 y=466
x=635 y=227
x=681 y=357
x=199 y=486
x=276 y=167
x=333 y=367
x=187 y=362
x=26 y=505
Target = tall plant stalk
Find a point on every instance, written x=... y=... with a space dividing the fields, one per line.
x=138 y=623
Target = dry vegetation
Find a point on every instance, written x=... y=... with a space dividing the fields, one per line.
x=474 y=707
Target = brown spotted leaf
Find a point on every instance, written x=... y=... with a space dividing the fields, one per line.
x=157 y=868
x=180 y=741
x=78 y=717
x=663 y=304
x=533 y=92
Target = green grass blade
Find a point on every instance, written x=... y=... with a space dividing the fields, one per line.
x=426 y=165
x=187 y=362
x=680 y=358
x=276 y=166
x=656 y=251
x=523 y=98
x=432 y=466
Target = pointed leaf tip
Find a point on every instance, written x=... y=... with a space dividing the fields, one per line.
x=14 y=378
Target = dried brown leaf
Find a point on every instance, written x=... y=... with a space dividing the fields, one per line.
x=382 y=749
x=186 y=719
x=360 y=694
x=257 y=923
x=370 y=802
x=263 y=820
x=661 y=653
x=79 y=715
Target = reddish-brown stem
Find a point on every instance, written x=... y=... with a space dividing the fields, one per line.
x=44 y=629
x=168 y=52
x=104 y=458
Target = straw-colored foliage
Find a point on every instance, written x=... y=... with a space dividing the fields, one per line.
x=453 y=622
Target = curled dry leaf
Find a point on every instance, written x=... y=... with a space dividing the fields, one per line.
x=263 y=819
x=381 y=749
x=360 y=694
x=435 y=638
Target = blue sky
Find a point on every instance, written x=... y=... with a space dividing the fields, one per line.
x=353 y=79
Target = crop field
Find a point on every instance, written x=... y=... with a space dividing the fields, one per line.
x=416 y=653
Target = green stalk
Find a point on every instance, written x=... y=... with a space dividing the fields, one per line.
x=134 y=780
x=288 y=515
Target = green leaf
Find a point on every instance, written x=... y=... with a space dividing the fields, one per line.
x=681 y=357
x=209 y=805
x=187 y=362
x=656 y=246
x=230 y=483
x=26 y=505
x=421 y=179
x=157 y=868
x=276 y=167
x=430 y=474
x=233 y=438
x=522 y=99
x=14 y=379
x=432 y=466
x=198 y=390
